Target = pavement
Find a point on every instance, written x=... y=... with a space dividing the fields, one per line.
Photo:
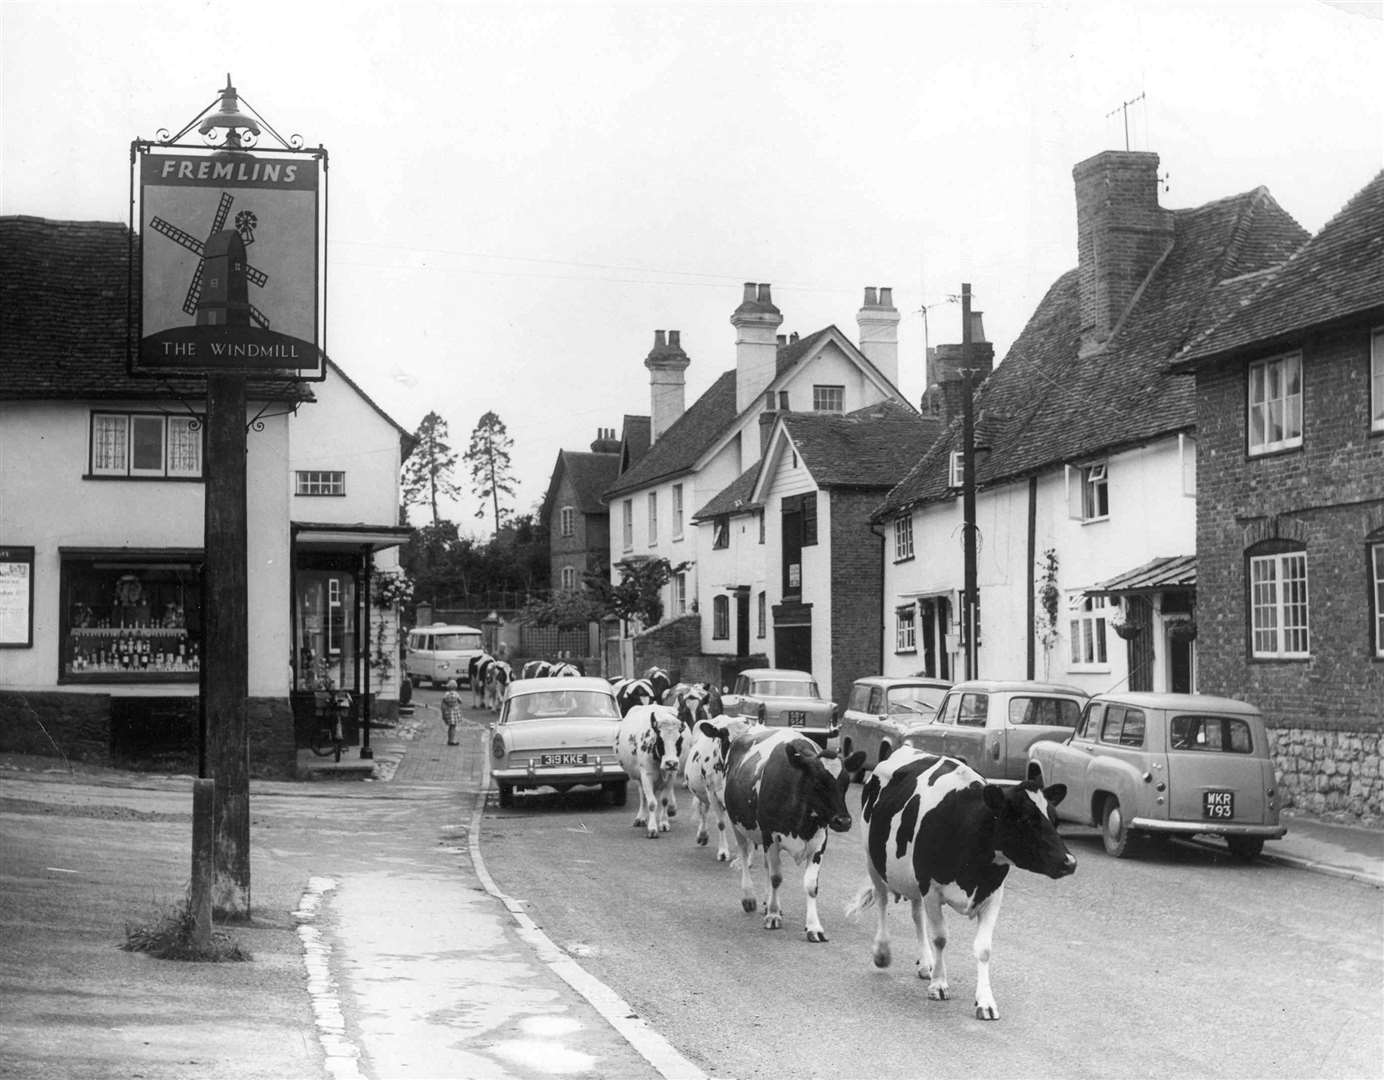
x=453 y=980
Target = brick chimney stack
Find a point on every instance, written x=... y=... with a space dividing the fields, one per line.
x=605 y=442
x=1121 y=234
x=878 y=320
x=756 y=323
x=666 y=363
x=944 y=393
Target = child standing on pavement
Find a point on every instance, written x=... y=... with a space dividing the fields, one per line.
x=451 y=711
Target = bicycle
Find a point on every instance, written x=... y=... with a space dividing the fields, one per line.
x=330 y=737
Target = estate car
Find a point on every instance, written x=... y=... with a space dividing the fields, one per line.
x=1170 y=764
x=990 y=724
x=557 y=733
x=881 y=712
x=782 y=697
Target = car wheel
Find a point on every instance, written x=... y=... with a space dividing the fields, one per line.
x=1246 y=848
x=617 y=791
x=506 y=795
x=1113 y=831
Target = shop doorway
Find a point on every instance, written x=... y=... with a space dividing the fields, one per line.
x=328 y=617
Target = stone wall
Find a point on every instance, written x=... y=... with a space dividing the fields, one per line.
x=1329 y=771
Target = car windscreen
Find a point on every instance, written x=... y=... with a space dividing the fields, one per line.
x=1222 y=734
x=553 y=704
x=1047 y=711
x=456 y=642
x=920 y=700
x=784 y=688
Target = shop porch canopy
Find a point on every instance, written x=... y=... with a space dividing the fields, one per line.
x=1158 y=575
x=328 y=535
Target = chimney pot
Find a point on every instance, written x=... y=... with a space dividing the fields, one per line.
x=782 y=340
x=886 y=296
x=674 y=339
x=659 y=343
x=749 y=292
x=977 y=327
x=764 y=293
x=793 y=338
x=870 y=299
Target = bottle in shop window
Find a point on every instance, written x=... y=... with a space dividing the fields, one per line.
x=144 y=653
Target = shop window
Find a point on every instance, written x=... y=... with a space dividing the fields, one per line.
x=130 y=618
x=320 y=482
x=327 y=620
x=148 y=445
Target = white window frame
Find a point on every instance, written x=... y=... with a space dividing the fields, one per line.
x=956 y=469
x=720 y=618
x=1288 y=406
x=677 y=512
x=627 y=527
x=828 y=398
x=1377 y=380
x=333 y=639
x=680 y=594
x=1187 y=458
x=903 y=537
x=1095 y=489
x=653 y=518
x=1088 y=637
x=567 y=520
x=906 y=629
x=1377 y=581
x=569 y=578
x=179 y=437
x=1279 y=607
x=319 y=482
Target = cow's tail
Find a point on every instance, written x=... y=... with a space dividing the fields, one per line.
x=863 y=899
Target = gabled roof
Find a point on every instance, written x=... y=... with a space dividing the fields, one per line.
x=589 y=473
x=1045 y=404
x=1337 y=275
x=636 y=434
x=64 y=297
x=407 y=440
x=713 y=416
x=871 y=447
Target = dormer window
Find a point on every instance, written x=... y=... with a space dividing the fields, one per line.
x=720 y=531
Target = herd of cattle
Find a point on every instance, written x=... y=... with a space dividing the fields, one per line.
x=937 y=833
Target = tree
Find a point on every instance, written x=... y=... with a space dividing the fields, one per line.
x=488 y=459
x=428 y=470
x=637 y=595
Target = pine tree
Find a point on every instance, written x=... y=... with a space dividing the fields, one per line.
x=488 y=459
x=427 y=473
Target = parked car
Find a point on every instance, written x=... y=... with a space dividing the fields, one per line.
x=990 y=724
x=440 y=652
x=782 y=697
x=1170 y=764
x=557 y=733
x=882 y=711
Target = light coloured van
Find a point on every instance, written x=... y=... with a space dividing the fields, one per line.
x=440 y=652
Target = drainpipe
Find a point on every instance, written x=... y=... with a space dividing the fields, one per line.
x=1032 y=657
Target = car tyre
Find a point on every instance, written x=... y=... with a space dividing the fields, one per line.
x=617 y=791
x=506 y=795
x=1114 y=833
x=1245 y=848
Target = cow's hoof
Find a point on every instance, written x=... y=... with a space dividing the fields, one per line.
x=701 y=841
x=653 y=834
x=664 y=827
x=816 y=936
x=749 y=904
x=773 y=922
x=937 y=992
x=723 y=856
x=882 y=956
x=986 y=1012
x=672 y=811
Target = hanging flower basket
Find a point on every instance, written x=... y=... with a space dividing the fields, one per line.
x=1182 y=630
x=1121 y=623
x=1128 y=631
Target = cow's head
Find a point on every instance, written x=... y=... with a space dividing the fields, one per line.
x=1026 y=827
x=721 y=732
x=824 y=795
x=694 y=705
x=668 y=736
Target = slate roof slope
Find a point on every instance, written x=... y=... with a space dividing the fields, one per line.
x=734 y=498
x=64 y=290
x=636 y=433
x=871 y=447
x=694 y=432
x=1338 y=274
x=1045 y=404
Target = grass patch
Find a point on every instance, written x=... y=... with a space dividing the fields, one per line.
x=172 y=937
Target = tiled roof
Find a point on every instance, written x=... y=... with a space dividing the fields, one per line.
x=64 y=290
x=1045 y=404
x=1164 y=572
x=871 y=447
x=678 y=448
x=635 y=437
x=734 y=498
x=590 y=475
x=1338 y=274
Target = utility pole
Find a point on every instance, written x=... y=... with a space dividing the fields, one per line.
x=970 y=604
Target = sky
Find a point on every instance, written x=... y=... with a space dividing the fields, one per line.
x=522 y=193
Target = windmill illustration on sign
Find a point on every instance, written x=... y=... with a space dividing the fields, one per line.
x=226 y=279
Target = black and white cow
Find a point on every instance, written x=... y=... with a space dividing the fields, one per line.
x=535 y=669
x=562 y=669
x=476 y=672
x=497 y=680
x=632 y=692
x=705 y=770
x=780 y=797
x=649 y=745
x=939 y=834
x=659 y=682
